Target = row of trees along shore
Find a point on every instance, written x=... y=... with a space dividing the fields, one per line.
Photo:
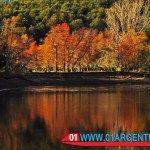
x=71 y=36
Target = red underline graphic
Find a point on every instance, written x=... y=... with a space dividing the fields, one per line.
x=76 y=143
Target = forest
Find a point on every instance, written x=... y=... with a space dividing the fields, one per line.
x=74 y=35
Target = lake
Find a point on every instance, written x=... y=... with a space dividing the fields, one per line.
x=37 y=118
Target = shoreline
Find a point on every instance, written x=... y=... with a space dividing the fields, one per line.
x=33 y=80
x=73 y=79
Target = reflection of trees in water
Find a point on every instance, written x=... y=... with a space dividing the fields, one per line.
x=86 y=111
x=35 y=137
x=37 y=120
x=7 y=135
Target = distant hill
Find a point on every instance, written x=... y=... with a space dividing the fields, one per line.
x=39 y=15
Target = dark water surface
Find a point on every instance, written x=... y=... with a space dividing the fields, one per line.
x=37 y=118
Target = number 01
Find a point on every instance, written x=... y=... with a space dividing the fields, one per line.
x=73 y=137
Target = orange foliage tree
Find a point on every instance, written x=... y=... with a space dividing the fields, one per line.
x=81 y=50
x=31 y=56
x=63 y=50
x=53 y=50
x=130 y=47
x=84 y=49
x=67 y=51
x=13 y=43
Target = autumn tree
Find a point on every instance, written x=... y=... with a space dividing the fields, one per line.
x=80 y=48
x=96 y=49
x=53 y=50
x=88 y=49
x=64 y=51
x=128 y=12
x=130 y=48
x=31 y=57
x=13 y=43
x=106 y=56
x=144 y=58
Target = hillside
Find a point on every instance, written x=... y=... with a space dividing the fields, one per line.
x=38 y=15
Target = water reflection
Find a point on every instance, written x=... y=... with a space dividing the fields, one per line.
x=38 y=118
